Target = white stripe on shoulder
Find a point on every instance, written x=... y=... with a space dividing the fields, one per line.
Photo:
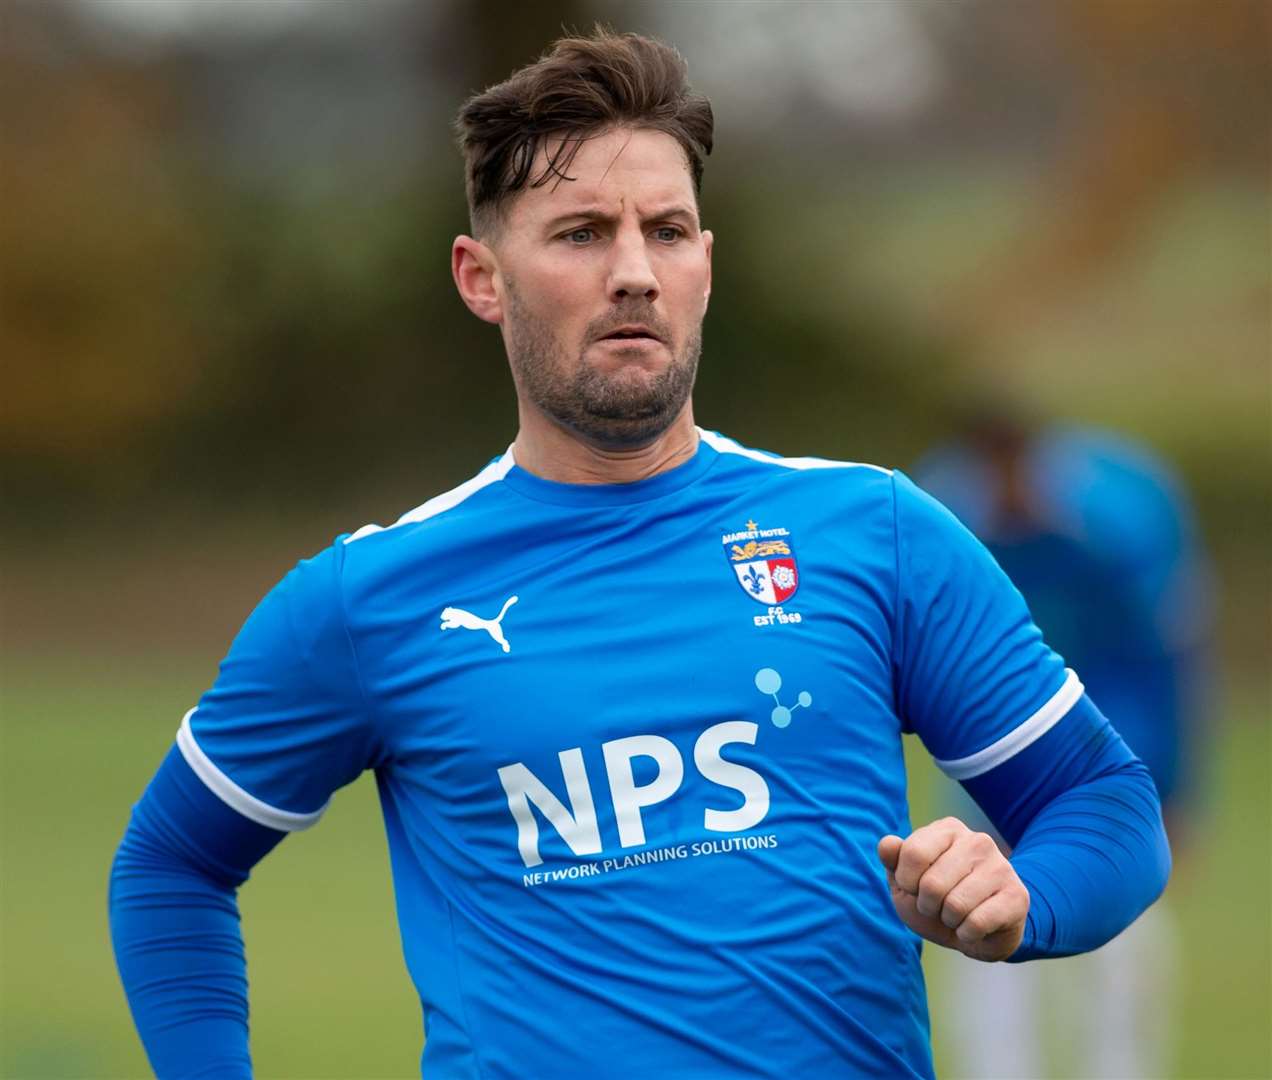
x=724 y=445
x=1016 y=740
x=234 y=796
x=448 y=500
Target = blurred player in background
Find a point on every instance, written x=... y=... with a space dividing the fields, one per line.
x=634 y=693
x=1100 y=538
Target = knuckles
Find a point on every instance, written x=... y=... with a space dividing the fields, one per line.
x=1019 y=896
x=918 y=871
x=923 y=847
x=982 y=844
x=962 y=877
x=979 y=924
x=955 y=909
x=934 y=890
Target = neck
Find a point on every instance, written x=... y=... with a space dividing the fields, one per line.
x=550 y=452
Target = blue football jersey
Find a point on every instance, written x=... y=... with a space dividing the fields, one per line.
x=635 y=746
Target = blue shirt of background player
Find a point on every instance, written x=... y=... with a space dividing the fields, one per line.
x=1106 y=554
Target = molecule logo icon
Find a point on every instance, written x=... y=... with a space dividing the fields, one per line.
x=768 y=681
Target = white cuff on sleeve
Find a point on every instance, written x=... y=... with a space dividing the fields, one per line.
x=1033 y=729
x=234 y=796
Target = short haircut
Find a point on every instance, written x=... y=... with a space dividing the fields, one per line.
x=580 y=87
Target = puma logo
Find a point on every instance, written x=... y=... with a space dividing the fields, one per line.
x=453 y=617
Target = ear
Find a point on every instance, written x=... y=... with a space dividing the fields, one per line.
x=708 y=241
x=474 y=268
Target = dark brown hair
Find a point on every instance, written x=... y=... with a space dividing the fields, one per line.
x=580 y=87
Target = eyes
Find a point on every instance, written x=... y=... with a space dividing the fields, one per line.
x=585 y=234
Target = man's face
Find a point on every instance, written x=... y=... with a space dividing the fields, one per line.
x=603 y=283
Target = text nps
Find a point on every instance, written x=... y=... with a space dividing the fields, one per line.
x=578 y=825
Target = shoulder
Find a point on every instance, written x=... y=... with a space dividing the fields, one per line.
x=433 y=521
x=374 y=558
x=850 y=507
x=816 y=473
x=843 y=485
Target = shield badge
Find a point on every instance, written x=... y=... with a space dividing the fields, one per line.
x=763 y=561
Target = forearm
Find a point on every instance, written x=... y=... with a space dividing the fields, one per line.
x=1082 y=816
x=175 y=926
x=1093 y=860
x=180 y=958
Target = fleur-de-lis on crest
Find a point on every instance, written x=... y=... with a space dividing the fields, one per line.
x=754 y=580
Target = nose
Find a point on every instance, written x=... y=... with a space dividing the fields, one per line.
x=630 y=271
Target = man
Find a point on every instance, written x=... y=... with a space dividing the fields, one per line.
x=634 y=694
x=1099 y=538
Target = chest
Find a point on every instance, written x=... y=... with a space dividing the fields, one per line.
x=646 y=677
x=607 y=633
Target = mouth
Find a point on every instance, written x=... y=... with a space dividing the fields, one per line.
x=634 y=333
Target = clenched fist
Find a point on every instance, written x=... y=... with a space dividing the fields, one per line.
x=954 y=887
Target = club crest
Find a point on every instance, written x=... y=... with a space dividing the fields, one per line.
x=763 y=561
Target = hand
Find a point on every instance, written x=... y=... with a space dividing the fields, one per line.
x=954 y=887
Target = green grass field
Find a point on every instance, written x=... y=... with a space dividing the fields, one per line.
x=330 y=996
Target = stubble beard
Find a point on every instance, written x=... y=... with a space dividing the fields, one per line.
x=615 y=409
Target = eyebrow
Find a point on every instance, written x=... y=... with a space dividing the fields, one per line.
x=601 y=213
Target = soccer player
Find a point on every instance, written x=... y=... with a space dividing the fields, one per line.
x=1099 y=537
x=634 y=694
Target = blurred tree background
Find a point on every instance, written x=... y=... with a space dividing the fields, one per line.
x=228 y=328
